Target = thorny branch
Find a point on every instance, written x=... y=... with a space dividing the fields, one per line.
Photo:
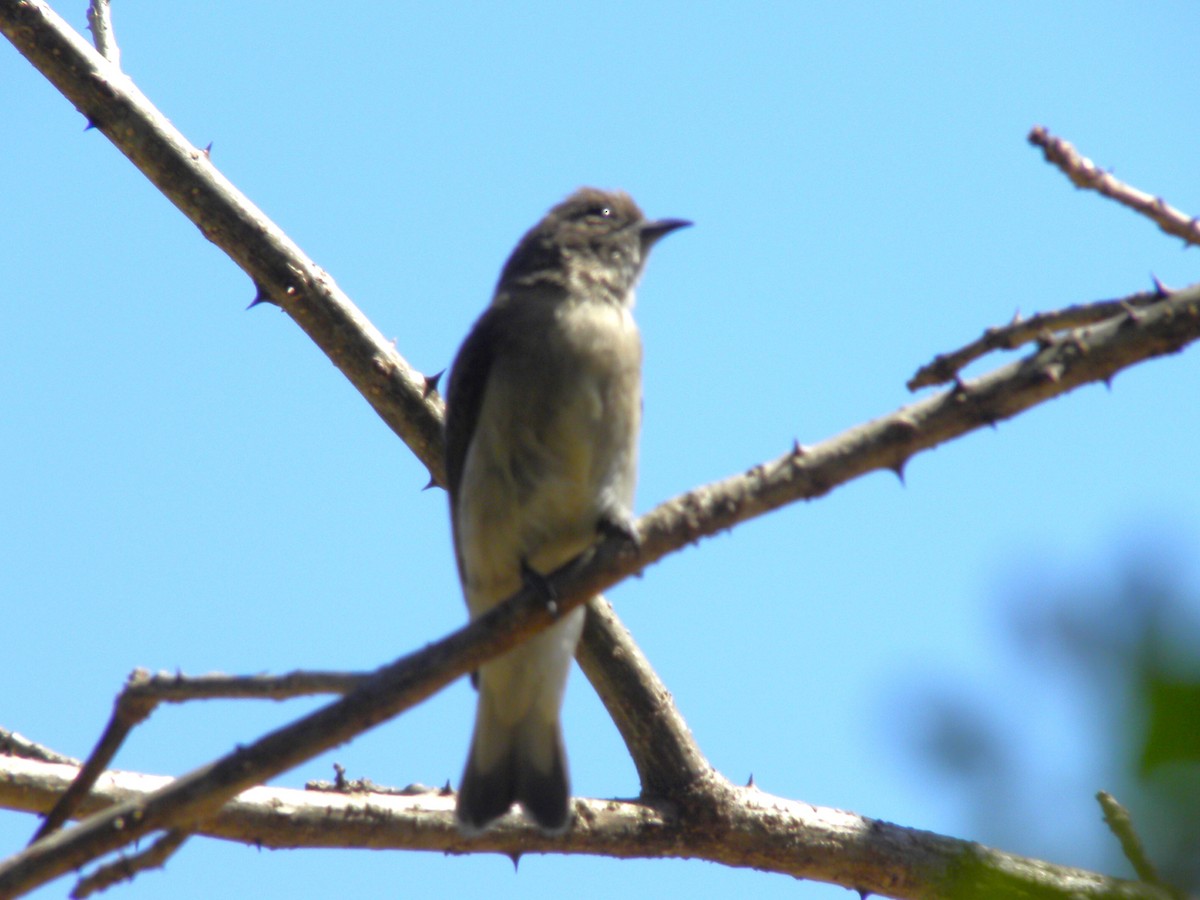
x=126 y=868
x=746 y=828
x=1092 y=354
x=1040 y=327
x=143 y=692
x=740 y=826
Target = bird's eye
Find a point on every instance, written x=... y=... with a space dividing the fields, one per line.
x=595 y=213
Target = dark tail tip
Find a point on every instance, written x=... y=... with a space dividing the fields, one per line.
x=544 y=795
x=546 y=798
x=484 y=796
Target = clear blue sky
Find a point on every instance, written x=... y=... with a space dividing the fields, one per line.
x=189 y=485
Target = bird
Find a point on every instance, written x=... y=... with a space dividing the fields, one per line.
x=543 y=410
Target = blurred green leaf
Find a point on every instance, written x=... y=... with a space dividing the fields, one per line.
x=1173 y=725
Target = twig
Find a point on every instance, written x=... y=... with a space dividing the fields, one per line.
x=1120 y=824
x=143 y=692
x=1086 y=174
x=99 y=16
x=744 y=827
x=13 y=744
x=946 y=366
x=124 y=869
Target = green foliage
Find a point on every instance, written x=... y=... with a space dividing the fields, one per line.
x=1124 y=656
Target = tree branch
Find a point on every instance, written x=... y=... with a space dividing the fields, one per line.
x=13 y=744
x=126 y=868
x=186 y=176
x=666 y=755
x=1093 y=354
x=99 y=16
x=1039 y=327
x=1086 y=174
x=739 y=822
x=1119 y=822
x=742 y=827
x=404 y=399
x=142 y=694
x=662 y=747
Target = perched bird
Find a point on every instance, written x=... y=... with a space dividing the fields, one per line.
x=542 y=415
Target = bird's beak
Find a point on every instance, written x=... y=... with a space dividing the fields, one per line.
x=651 y=232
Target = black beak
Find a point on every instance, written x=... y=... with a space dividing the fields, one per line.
x=651 y=232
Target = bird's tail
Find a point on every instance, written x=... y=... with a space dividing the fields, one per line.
x=522 y=761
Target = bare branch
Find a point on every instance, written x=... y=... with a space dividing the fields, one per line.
x=1121 y=825
x=13 y=744
x=691 y=810
x=1093 y=354
x=659 y=741
x=1086 y=174
x=667 y=757
x=946 y=366
x=126 y=868
x=194 y=797
x=142 y=694
x=186 y=176
x=409 y=403
x=742 y=827
x=99 y=16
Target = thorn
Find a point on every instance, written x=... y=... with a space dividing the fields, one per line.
x=260 y=296
x=431 y=383
x=446 y=790
x=91 y=123
x=863 y=893
x=208 y=151
x=339 y=776
x=432 y=483
x=750 y=783
x=1108 y=380
x=898 y=469
x=516 y=859
x=1016 y=317
x=1160 y=289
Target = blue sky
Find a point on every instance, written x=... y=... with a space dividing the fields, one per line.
x=187 y=484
